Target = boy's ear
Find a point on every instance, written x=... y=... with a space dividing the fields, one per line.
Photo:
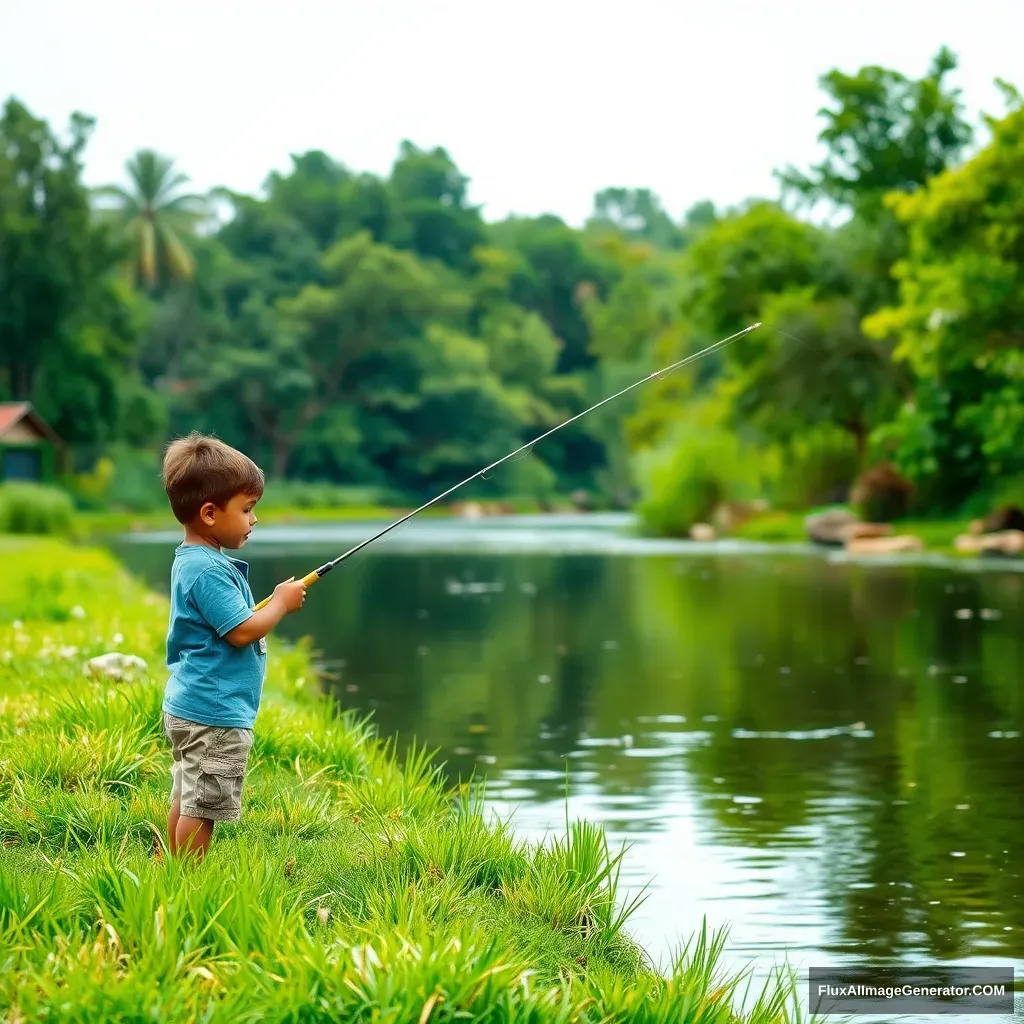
x=208 y=512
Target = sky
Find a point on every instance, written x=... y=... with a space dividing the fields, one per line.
x=541 y=104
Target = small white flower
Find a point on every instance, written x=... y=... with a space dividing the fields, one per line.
x=117 y=639
x=18 y=624
x=78 y=612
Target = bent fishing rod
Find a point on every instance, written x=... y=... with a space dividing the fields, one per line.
x=324 y=569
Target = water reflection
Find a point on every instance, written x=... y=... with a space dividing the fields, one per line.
x=824 y=754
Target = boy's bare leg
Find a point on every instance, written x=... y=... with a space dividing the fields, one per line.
x=172 y=827
x=192 y=835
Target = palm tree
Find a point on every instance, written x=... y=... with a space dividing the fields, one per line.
x=156 y=217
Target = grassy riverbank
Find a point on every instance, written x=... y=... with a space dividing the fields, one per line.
x=356 y=887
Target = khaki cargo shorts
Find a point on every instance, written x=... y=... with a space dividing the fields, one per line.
x=208 y=768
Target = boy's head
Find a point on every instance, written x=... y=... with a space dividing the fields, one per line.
x=212 y=488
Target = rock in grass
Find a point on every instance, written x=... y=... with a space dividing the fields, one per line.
x=116 y=666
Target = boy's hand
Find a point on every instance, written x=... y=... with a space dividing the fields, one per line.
x=291 y=593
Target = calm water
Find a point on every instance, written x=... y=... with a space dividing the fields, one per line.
x=824 y=755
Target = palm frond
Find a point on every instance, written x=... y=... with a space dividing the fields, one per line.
x=169 y=184
x=156 y=215
x=180 y=262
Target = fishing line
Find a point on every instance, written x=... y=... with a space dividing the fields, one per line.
x=802 y=341
x=322 y=571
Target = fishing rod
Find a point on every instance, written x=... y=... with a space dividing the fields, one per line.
x=324 y=569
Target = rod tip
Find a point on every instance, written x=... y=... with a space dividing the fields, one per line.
x=753 y=327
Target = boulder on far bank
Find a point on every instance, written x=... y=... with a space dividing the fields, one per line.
x=865 y=531
x=829 y=528
x=1005 y=542
x=1007 y=517
x=884 y=545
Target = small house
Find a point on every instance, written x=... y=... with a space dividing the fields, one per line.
x=29 y=448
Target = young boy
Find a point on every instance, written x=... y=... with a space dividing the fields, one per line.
x=216 y=651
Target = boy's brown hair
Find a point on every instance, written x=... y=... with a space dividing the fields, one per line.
x=198 y=469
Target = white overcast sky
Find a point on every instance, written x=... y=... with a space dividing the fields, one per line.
x=541 y=104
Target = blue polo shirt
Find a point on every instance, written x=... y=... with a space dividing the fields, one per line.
x=211 y=681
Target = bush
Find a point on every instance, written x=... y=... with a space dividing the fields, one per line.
x=881 y=494
x=124 y=479
x=34 y=508
x=684 y=480
x=817 y=469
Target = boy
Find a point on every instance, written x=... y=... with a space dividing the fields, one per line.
x=216 y=647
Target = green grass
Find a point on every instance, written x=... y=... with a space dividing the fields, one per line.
x=355 y=887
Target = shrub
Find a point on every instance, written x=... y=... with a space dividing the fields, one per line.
x=34 y=508
x=123 y=479
x=687 y=478
x=817 y=469
x=881 y=494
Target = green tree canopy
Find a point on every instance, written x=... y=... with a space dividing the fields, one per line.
x=66 y=328
x=957 y=324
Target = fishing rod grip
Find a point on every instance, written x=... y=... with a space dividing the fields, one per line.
x=309 y=580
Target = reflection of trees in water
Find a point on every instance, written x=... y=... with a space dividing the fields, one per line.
x=856 y=653
x=763 y=645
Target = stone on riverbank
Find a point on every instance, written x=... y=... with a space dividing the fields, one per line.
x=829 y=528
x=884 y=545
x=1005 y=542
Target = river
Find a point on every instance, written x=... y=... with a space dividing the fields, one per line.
x=822 y=754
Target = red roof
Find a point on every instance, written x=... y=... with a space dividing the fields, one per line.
x=10 y=413
x=14 y=412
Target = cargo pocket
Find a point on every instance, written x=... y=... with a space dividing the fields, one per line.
x=220 y=783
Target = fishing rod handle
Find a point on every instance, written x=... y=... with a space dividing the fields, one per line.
x=309 y=580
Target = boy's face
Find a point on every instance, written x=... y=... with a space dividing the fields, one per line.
x=230 y=526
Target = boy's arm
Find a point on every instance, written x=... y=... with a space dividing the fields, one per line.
x=288 y=597
x=224 y=607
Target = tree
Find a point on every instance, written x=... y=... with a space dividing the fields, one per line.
x=957 y=323
x=554 y=276
x=66 y=328
x=433 y=217
x=636 y=213
x=885 y=133
x=156 y=218
x=816 y=366
x=374 y=303
x=311 y=195
x=744 y=257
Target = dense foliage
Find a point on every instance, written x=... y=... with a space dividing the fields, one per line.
x=376 y=332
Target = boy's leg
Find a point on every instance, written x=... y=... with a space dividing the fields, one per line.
x=192 y=835
x=172 y=825
x=174 y=738
x=212 y=770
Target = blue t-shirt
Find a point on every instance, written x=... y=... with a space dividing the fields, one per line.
x=211 y=681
